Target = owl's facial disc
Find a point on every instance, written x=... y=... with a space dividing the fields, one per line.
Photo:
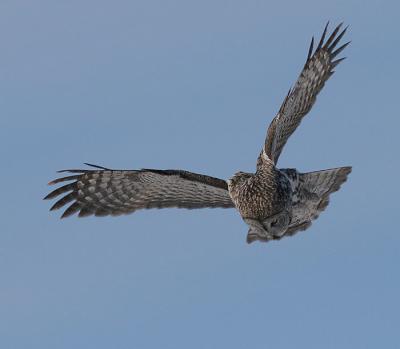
x=277 y=225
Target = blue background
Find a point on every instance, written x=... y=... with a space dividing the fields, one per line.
x=193 y=85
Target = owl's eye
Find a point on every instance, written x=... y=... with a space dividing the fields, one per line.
x=274 y=223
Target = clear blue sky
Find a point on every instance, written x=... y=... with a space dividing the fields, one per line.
x=193 y=85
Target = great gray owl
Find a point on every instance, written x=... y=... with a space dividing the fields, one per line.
x=273 y=202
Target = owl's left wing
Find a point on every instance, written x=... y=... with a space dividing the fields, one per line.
x=317 y=70
x=105 y=192
x=311 y=193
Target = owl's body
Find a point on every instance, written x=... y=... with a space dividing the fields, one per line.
x=273 y=202
x=262 y=194
x=278 y=202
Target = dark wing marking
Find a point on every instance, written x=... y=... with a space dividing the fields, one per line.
x=311 y=194
x=317 y=70
x=114 y=192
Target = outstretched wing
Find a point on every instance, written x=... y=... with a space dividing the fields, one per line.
x=311 y=194
x=114 y=192
x=317 y=70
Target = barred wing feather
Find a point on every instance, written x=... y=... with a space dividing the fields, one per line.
x=299 y=101
x=114 y=192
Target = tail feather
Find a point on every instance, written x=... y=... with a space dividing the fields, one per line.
x=311 y=194
x=325 y=182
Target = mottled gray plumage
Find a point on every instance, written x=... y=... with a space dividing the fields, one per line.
x=274 y=203
x=317 y=70
x=111 y=192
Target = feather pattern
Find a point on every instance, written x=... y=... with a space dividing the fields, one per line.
x=299 y=101
x=113 y=192
x=311 y=193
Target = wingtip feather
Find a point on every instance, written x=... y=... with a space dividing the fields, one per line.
x=321 y=41
x=72 y=209
x=310 y=50
x=340 y=49
x=332 y=36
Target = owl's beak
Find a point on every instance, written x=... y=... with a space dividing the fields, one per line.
x=253 y=235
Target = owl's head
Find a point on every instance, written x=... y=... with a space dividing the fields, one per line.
x=271 y=228
x=277 y=224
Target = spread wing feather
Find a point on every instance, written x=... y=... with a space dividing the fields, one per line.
x=105 y=192
x=317 y=70
x=311 y=194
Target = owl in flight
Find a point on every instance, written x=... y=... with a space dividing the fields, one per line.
x=273 y=202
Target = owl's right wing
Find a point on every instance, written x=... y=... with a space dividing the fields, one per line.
x=105 y=192
x=300 y=99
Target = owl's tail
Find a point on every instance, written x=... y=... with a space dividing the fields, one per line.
x=311 y=194
x=323 y=183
